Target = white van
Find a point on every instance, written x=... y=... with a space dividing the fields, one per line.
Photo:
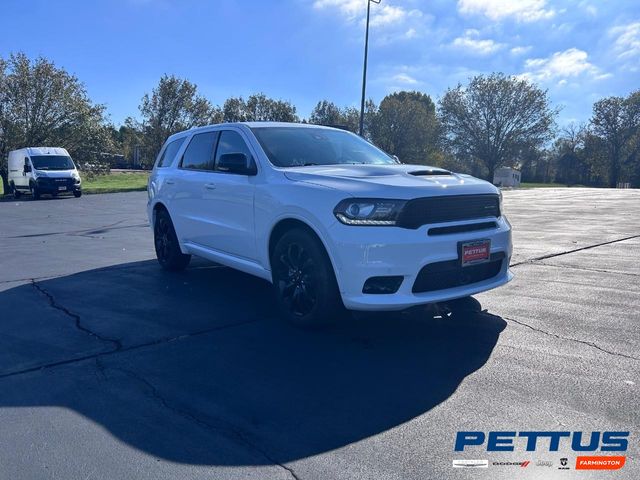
x=38 y=170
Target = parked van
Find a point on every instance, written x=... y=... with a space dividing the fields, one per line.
x=38 y=170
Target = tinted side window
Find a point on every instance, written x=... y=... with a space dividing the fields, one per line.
x=232 y=142
x=199 y=153
x=170 y=153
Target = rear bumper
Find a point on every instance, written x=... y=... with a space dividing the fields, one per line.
x=360 y=253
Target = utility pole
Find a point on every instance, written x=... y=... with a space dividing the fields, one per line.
x=364 y=71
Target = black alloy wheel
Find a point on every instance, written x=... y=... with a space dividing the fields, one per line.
x=304 y=281
x=166 y=244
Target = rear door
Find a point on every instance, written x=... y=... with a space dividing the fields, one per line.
x=188 y=206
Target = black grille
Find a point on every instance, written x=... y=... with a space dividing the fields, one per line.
x=56 y=182
x=442 y=275
x=469 y=227
x=448 y=208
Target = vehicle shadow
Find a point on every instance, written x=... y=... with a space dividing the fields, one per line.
x=195 y=368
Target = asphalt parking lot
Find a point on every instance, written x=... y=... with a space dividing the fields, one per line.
x=111 y=368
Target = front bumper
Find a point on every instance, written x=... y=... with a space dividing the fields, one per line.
x=53 y=185
x=359 y=253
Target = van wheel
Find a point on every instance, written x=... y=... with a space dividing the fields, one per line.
x=35 y=193
x=304 y=281
x=166 y=243
x=16 y=193
x=77 y=193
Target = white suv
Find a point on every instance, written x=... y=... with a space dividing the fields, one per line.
x=330 y=220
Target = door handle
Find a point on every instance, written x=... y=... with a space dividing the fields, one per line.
x=170 y=182
x=210 y=186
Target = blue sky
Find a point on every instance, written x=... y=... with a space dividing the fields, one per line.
x=307 y=50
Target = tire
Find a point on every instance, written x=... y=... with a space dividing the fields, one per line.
x=304 y=281
x=77 y=193
x=16 y=193
x=166 y=244
x=35 y=193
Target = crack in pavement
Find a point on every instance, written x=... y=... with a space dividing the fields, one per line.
x=225 y=429
x=586 y=269
x=551 y=255
x=584 y=342
x=122 y=349
x=78 y=321
x=83 y=232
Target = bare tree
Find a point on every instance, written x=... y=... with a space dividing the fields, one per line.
x=495 y=117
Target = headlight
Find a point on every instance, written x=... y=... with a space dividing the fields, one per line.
x=368 y=211
x=40 y=174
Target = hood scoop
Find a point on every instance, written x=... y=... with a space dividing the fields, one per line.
x=429 y=172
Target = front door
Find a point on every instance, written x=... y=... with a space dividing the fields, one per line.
x=228 y=202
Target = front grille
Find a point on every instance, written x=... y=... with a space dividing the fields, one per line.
x=448 y=208
x=450 y=274
x=56 y=182
x=467 y=227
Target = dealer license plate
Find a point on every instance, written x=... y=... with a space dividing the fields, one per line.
x=477 y=251
x=62 y=188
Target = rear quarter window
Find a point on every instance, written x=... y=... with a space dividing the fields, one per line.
x=169 y=153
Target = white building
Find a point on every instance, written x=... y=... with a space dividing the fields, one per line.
x=506 y=177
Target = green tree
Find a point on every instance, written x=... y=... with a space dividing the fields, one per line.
x=616 y=122
x=42 y=104
x=328 y=113
x=258 y=108
x=494 y=117
x=406 y=125
x=174 y=105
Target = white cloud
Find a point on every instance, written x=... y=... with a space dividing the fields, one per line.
x=568 y=63
x=627 y=43
x=411 y=33
x=382 y=14
x=521 y=10
x=351 y=9
x=520 y=50
x=589 y=8
x=470 y=42
x=404 y=78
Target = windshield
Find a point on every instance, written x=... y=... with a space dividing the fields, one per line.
x=52 y=162
x=297 y=146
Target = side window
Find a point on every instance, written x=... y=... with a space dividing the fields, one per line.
x=170 y=153
x=232 y=142
x=199 y=153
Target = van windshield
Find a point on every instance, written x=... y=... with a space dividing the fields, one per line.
x=298 y=146
x=52 y=162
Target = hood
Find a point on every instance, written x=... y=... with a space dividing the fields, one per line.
x=390 y=181
x=56 y=173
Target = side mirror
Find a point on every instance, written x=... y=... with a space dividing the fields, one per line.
x=27 y=168
x=236 y=163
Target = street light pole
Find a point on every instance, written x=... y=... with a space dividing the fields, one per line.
x=364 y=71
